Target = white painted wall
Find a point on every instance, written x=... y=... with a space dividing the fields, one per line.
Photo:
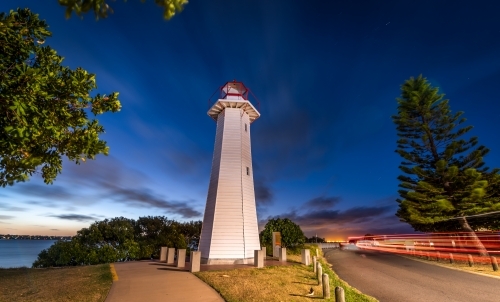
x=230 y=228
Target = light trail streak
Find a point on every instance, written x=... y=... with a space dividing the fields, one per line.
x=438 y=246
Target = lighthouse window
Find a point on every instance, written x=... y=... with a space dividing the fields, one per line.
x=245 y=127
x=248 y=171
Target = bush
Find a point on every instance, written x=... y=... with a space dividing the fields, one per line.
x=119 y=239
x=292 y=236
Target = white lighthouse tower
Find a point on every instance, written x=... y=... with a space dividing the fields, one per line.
x=230 y=233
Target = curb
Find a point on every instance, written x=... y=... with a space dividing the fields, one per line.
x=453 y=268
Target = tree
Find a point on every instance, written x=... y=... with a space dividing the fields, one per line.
x=444 y=174
x=101 y=8
x=291 y=234
x=315 y=239
x=152 y=232
x=44 y=105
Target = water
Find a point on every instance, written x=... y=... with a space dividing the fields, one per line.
x=17 y=253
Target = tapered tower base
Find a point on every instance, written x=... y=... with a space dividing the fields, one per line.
x=226 y=261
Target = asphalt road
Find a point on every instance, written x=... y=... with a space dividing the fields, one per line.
x=391 y=278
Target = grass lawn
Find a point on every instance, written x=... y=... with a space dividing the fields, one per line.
x=81 y=283
x=276 y=283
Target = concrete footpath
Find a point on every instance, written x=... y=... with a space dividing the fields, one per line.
x=156 y=281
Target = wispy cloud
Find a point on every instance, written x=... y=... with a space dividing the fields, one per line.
x=110 y=180
x=146 y=198
x=11 y=208
x=322 y=202
x=263 y=193
x=6 y=217
x=75 y=217
x=321 y=216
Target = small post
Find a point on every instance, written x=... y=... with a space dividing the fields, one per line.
x=470 y=260
x=428 y=256
x=181 y=257
x=305 y=256
x=326 y=287
x=317 y=252
x=494 y=263
x=339 y=294
x=258 y=259
x=276 y=243
x=170 y=255
x=163 y=254
x=263 y=249
x=438 y=256
x=282 y=254
x=314 y=264
x=195 y=261
x=451 y=258
x=319 y=272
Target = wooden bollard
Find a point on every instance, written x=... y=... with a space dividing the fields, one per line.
x=195 y=259
x=339 y=294
x=470 y=260
x=163 y=254
x=304 y=257
x=326 y=287
x=258 y=258
x=314 y=264
x=438 y=255
x=428 y=256
x=282 y=254
x=170 y=255
x=451 y=258
x=494 y=263
x=181 y=258
x=319 y=272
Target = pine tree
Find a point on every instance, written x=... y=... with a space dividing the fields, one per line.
x=444 y=173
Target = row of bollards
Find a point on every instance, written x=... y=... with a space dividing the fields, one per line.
x=470 y=259
x=324 y=281
x=167 y=255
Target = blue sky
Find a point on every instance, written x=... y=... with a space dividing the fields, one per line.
x=327 y=74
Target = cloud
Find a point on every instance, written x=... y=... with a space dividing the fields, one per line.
x=10 y=208
x=114 y=181
x=54 y=229
x=322 y=202
x=6 y=217
x=321 y=216
x=145 y=198
x=75 y=217
x=50 y=192
x=109 y=179
x=263 y=193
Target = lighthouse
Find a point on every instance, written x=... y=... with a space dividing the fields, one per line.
x=230 y=233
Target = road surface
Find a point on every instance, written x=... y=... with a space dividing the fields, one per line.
x=391 y=278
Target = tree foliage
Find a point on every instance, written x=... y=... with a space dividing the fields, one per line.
x=101 y=8
x=444 y=174
x=44 y=105
x=291 y=233
x=119 y=239
x=315 y=239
